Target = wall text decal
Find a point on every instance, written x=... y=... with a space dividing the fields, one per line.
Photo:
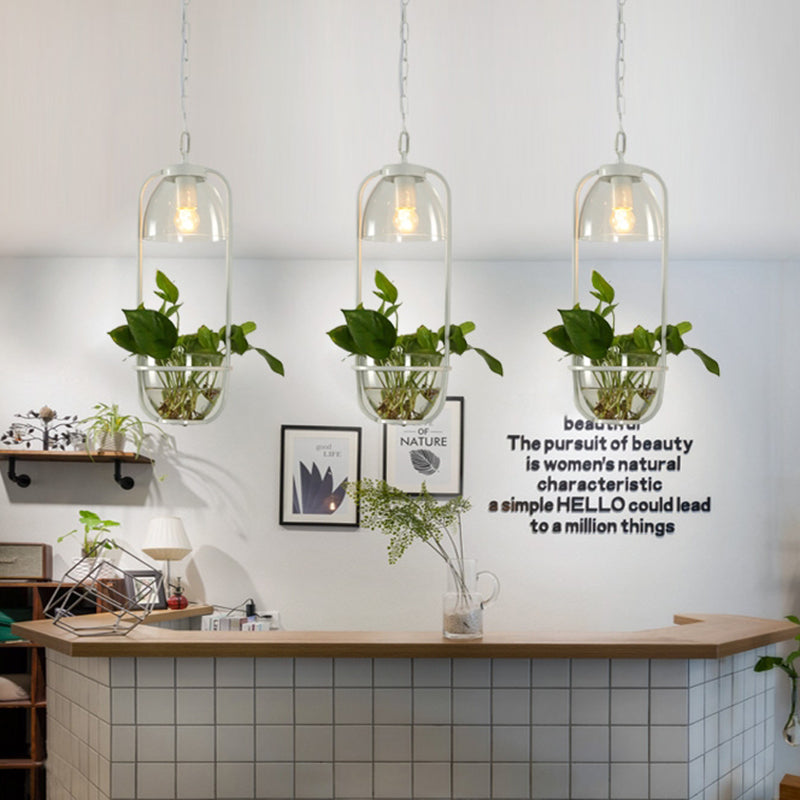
x=611 y=482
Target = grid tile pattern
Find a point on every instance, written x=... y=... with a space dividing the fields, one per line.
x=351 y=729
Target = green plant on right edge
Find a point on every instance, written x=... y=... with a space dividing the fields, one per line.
x=791 y=730
x=622 y=394
x=94 y=533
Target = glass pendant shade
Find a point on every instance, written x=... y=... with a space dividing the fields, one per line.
x=185 y=205
x=620 y=206
x=403 y=206
x=406 y=203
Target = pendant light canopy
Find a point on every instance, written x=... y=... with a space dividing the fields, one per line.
x=409 y=205
x=617 y=204
x=185 y=211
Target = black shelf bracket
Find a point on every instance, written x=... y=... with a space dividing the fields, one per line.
x=23 y=481
x=125 y=481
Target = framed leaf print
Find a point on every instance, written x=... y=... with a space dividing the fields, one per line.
x=431 y=453
x=316 y=464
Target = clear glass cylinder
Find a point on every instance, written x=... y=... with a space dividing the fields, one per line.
x=463 y=602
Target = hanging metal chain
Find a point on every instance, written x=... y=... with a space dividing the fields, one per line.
x=403 y=142
x=621 y=140
x=185 y=141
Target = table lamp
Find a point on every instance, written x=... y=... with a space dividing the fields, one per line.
x=166 y=541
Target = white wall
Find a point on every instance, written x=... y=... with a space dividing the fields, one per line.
x=223 y=480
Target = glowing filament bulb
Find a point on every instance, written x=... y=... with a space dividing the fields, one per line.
x=405 y=218
x=622 y=219
x=187 y=220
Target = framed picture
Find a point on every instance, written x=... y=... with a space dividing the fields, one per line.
x=316 y=464
x=431 y=453
x=144 y=586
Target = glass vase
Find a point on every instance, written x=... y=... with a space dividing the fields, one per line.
x=185 y=388
x=463 y=604
x=623 y=387
x=402 y=389
x=791 y=730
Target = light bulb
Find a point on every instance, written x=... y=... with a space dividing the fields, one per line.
x=622 y=219
x=405 y=217
x=187 y=220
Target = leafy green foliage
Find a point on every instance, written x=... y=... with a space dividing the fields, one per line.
x=405 y=518
x=94 y=533
x=151 y=332
x=372 y=333
x=109 y=419
x=766 y=663
x=588 y=333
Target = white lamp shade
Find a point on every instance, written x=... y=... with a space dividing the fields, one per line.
x=166 y=539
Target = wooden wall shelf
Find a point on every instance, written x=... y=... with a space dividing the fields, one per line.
x=71 y=456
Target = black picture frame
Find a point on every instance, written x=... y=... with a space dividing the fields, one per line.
x=316 y=463
x=136 y=584
x=430 y=453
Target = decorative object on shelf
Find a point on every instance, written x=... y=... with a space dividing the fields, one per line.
x=406 y=384
x=317 y=462
x=145 y=589
x=44 y=426
x=128 y=596
x=431 y=453
x=404 y=206
x=791 y=730
x=177 y=600
x=94 y=542
x=167 y=541
x=620 y=207
x=108 y=430
x=185 y=208
x=619 y=378
x=185 y=381
x=406 y=518
x=27 y=561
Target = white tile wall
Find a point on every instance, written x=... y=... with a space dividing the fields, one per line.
x=352 y=729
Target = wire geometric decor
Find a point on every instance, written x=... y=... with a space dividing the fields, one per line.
x=127 y=598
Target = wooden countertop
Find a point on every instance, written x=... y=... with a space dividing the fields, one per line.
x=692 y=636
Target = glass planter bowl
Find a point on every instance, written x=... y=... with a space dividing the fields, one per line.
x=411 y=388
x=623 y=387
x=185 y=388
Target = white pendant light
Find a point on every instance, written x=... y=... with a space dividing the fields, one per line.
x=185 y=211
x=405 y=204
x=616 y=204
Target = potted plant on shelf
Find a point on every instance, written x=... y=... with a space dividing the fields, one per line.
x=401 y=376
x=617 y=376
x=181 y=375
x=791 y=730
x=108 y=429
x=95 y=542
x=407 y=518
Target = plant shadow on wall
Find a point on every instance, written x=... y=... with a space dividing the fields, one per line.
x=186 y=382
x=624 y=377
x=397 y=393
